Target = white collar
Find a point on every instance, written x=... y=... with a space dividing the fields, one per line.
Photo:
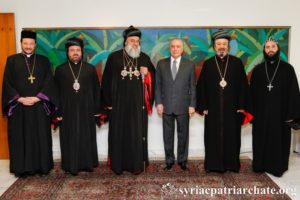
x=177 y=59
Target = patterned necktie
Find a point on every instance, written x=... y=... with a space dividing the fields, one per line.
x=174 y=69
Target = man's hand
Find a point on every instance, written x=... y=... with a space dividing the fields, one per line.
x=191 y=111
x=144 y=70
x=160 y=109
x=28 y=101
x=34 y=100
x=205 y=112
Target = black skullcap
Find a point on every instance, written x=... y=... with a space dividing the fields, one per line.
x=74 y=41
x=131 y=31
x=28 y=34
x=220 y=34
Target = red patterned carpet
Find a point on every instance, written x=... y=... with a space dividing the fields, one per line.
x=155 y=183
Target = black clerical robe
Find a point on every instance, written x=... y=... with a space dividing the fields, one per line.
x=29 y=133
x=222 y=128
x=128 y=120
x=77 y=109
x=271 y=108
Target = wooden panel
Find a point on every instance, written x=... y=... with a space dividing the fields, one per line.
x=7 y=47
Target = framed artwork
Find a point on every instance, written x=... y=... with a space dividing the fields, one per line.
x=246 y=43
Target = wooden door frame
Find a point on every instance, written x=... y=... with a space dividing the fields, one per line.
x=7 y=47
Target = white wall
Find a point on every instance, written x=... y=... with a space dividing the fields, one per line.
x=93 y=13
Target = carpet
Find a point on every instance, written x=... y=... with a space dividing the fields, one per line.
x=155 y=183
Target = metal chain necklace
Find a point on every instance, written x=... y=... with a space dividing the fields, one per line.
x=130 y=64
x=270 y=86
x=76 y=85
x=222 y=83
x=31 y=78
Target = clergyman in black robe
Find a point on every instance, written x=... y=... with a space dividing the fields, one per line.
x=79 y=90
x=29 y=97
x=128 y=99
x=275 y=101
x=222 y=97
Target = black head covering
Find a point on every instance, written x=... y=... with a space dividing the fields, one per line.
x=220 y=34
x=131 y=31
x=276 y=56
x=74 y=41
x=28 y=34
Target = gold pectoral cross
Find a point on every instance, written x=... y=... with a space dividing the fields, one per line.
x=31 y=78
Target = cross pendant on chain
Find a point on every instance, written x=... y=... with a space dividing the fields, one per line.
x=270 y=86
x=31 y=78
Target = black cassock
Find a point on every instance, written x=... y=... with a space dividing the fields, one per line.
x=222 y=128
x=271 y=135
x=29 y=133
x=128 y=121
x=78 y=129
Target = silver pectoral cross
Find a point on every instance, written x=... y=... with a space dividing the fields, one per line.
x=270 y=86
x=130 y=73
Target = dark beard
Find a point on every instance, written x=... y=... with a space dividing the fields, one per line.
x=272 y=59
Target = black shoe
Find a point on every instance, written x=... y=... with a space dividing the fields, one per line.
x=136 y=172
x=74 y=173
x=117 y=172
x=258 y=170
x=215 y=170
x=279 y=174
x=169 y=166
x=183 y=166
x=89 y=170
x=43 y=174
x=234 y=170
x=21 y=175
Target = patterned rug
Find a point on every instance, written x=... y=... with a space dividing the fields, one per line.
x=155 y=183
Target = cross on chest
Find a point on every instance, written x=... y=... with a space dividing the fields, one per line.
x=31 y=78
x=130 y=72
x=270 y=86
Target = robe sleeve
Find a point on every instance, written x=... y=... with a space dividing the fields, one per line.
x=152 y=70
x=293 y=97
x=48 y=93
x=193 y=87
x=201 y=91
x=158 y=85
x=96 y=93
x=252 y=91
x=107 y=83
x=9 y=93
x=57 y=78
x=243 y=88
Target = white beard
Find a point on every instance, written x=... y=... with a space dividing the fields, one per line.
x=132 y=52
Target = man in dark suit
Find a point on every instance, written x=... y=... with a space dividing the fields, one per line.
x=175 y=97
